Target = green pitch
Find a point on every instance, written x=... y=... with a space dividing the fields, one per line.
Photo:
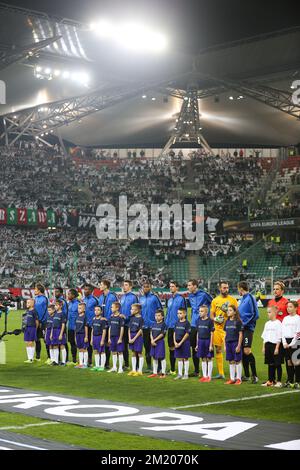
x=140 y=390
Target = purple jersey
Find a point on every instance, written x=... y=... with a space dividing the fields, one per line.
x=58 y=319
x=158 y=329
x=30 y=318
x=80 y=324
x=233 y=328
x=115 y=325
x=181 y=328
x=99 y=325
x=49 y=321
x=204 y=328
x=135 y=323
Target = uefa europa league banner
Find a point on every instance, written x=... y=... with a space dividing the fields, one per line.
x=27 y=217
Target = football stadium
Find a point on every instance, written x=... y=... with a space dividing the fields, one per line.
x=149 y=228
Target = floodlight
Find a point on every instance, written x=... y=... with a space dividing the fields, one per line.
x=83 y=77
x=132 y=36
x=104 y=28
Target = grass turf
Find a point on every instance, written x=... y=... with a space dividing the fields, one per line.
x=141 y=390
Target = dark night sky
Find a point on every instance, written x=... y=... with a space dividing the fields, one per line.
x=192 y=24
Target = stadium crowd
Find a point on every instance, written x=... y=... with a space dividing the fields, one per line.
x=223 y=181
x=68 y=258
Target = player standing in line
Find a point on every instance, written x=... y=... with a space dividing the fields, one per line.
x=81 y=336
x=49 y=326
x=90 y=301
x=272 y=348
x=218 y=310
x=233 y=341
x=196 y=297
x=205 y=344
x=150 y=303
x=99 y=330
x=116 y=337
x=157 y=338
x=135 y=340
x=58 y=334
x=175 y=302
x=105 y=301
x=72 y=315
x=279 y=301
x=182 y=344
x=127 y=299
x=40 y=305
x=59 y=295
x=249 y=315
x=290 y=328
x=30 y=325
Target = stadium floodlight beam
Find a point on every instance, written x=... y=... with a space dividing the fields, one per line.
x=103 y=28
x=133 y=36
x=139 y=38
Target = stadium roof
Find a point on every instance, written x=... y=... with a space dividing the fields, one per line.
x=271 y=59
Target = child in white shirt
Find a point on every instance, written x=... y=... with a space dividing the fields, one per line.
x=272 y=348
x=290 y=328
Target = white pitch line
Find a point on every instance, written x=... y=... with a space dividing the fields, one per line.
x=21 y=445
x=234 y=400
x=288 y=445
x=33 y=425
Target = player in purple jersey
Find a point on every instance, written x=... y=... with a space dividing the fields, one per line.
x=116 y=337
x=157 y=338
x=81 y=336
x=49 y=325
x=233 y=340
x=58 y=334
x=99 y=330
x=182 y=344
x=205 y=347
x=30 y=323
x=135 y=340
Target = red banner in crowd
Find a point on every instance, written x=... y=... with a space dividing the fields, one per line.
x=42 y=218
x=3 y=217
